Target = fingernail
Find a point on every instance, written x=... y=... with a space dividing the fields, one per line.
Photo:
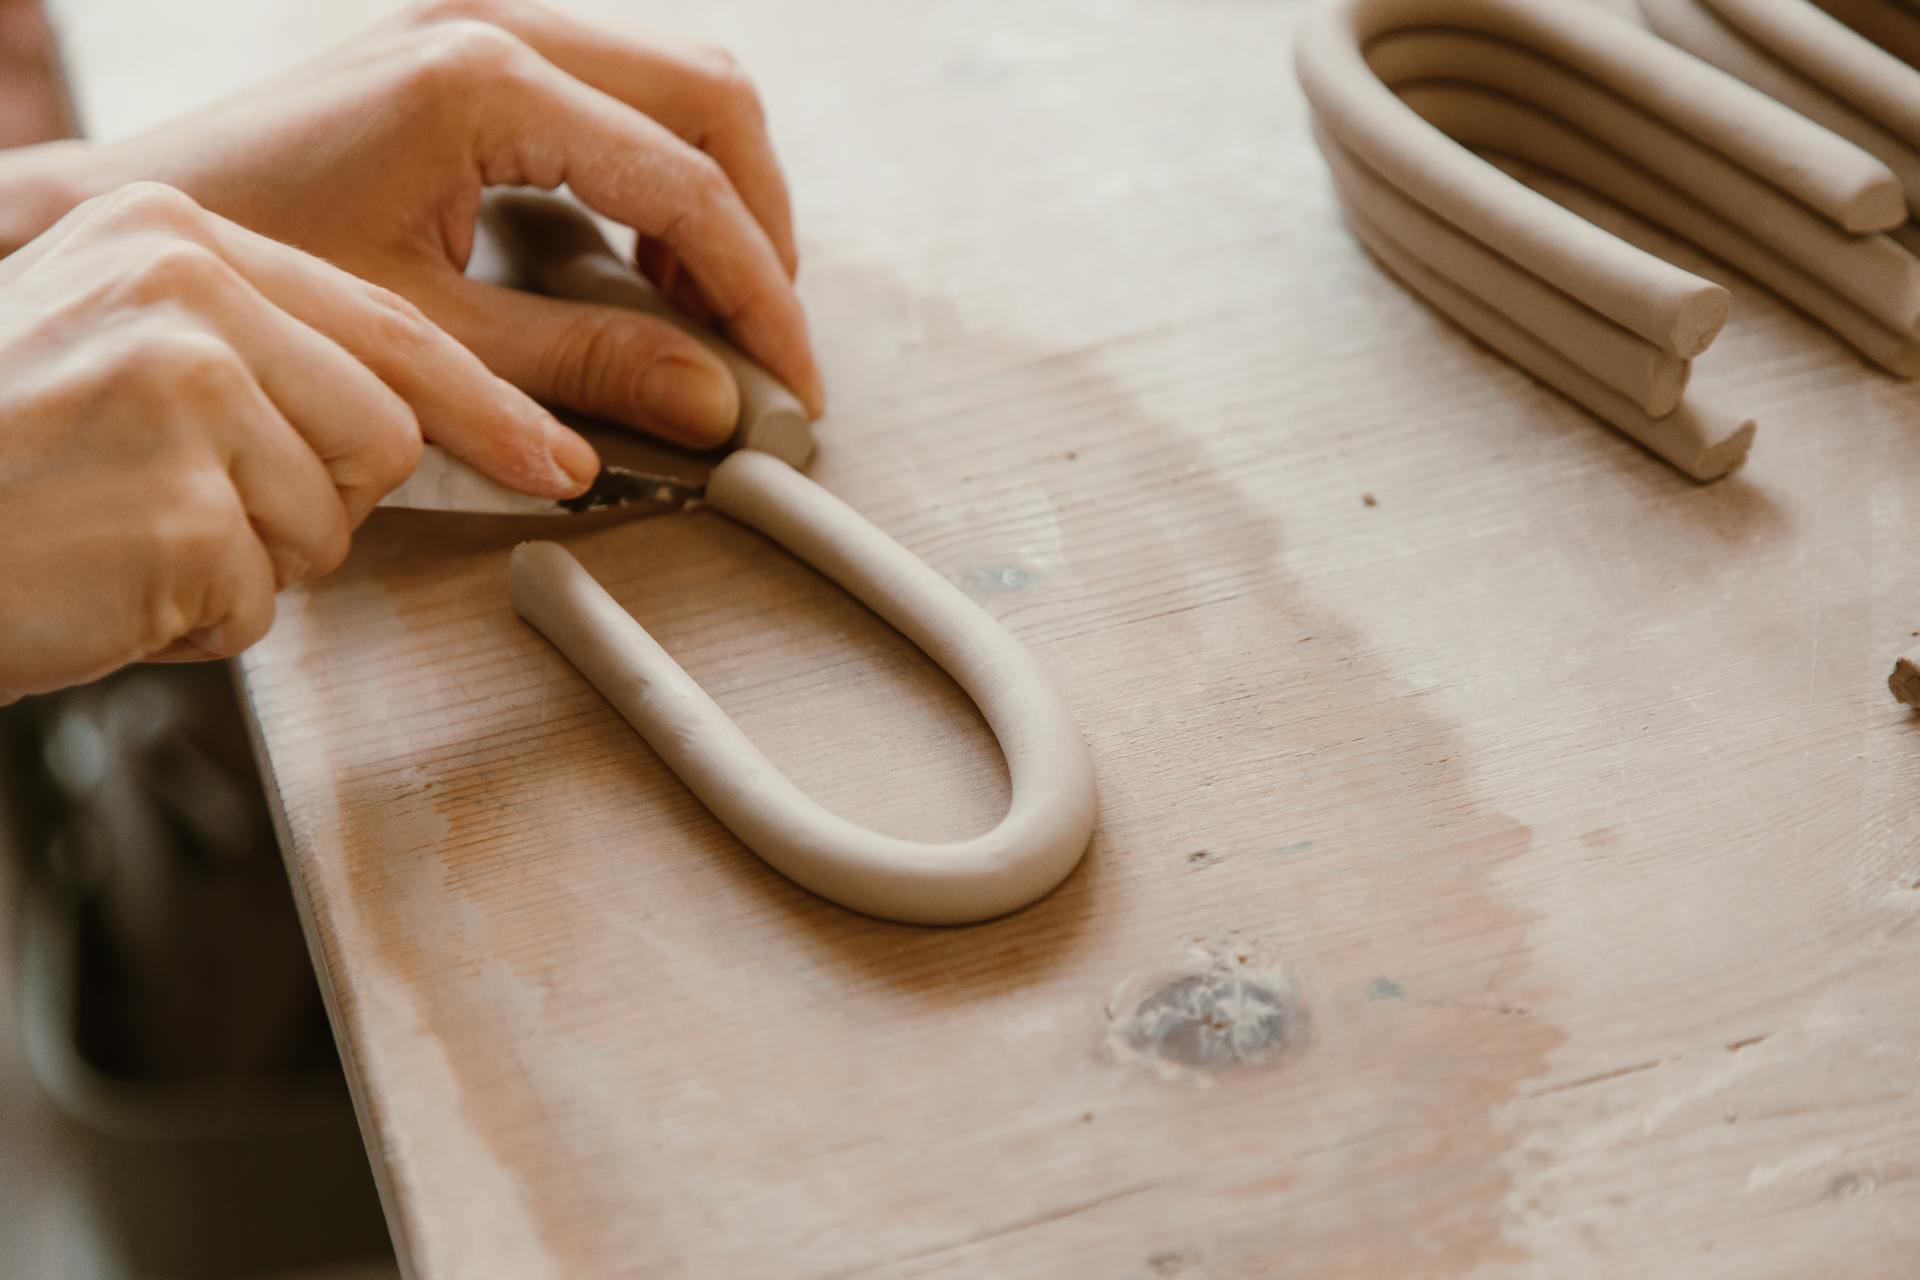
x=695 y=399
x=575 y=464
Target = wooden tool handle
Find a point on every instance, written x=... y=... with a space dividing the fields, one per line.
x=551 y=246
x=1050 y=820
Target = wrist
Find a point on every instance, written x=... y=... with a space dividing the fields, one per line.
x=39 y=184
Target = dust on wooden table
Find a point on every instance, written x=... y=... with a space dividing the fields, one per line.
x=1515 y=874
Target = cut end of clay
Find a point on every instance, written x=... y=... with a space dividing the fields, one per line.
x=1724 y=458
x=1905 y=680
x=1700 y=320
x=1879 y=206
x=785 y=433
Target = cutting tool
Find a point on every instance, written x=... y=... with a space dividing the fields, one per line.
x=441 y=482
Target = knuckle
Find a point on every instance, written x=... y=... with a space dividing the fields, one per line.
x=199 y=510
x=450 y=10
x=329 y=549
x=185 y=363
x=731 y=86
x=144 y=204
x=582 y=363
x=179 y=270
x=256 y=619
x=464 y=52
x=388 y=451
x=397 y=324
x=707 y=182
x=241 y=607
x=398 y=452
x=166 y=611
x=197 y=517
x=716 y=60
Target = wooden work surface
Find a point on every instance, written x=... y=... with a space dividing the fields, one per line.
x=1509 y=855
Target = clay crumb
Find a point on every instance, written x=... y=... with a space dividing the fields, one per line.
x=1072 y=455
x=1904 y=683
x=1369 y=499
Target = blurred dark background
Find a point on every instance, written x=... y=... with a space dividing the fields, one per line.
x=170 y=1101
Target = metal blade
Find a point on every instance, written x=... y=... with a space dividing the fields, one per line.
x=444 y=483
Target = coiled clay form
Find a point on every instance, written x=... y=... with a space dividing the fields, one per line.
x=1810 y=202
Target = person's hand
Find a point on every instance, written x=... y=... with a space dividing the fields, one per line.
x=374 y=157
x=193 y=416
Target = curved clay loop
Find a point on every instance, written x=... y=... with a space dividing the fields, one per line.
x=1840 y=182
x=1887 y=25
x=1699 y=170
x=1495 y=122
x=1828 y=52
x=1836 y=179
x=1700 y=32
x=1702 y=442
x=1627 y=363
x=1674 y=309
x=1050 y=820
x=1870 y=269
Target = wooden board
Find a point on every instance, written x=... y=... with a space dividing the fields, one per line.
x=1509 y=859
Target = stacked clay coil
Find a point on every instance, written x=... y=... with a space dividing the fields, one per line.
x=1414 y=101
x=1847 y=64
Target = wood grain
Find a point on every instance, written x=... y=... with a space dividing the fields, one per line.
x=1508 y=862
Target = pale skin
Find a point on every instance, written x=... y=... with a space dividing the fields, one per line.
x=222 y=342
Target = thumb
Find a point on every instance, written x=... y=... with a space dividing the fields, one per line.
x=610 y=362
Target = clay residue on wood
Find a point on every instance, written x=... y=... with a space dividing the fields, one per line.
x=1214 y=1013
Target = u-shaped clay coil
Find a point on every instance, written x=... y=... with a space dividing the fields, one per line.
x=1050 y=820
x=1702 y=441
x=1701 y=32
x=1624 y=361
x=1674 y=309
x=1871 y=270
x=1827 y=51
x=1496 y=123
x=1693 y=167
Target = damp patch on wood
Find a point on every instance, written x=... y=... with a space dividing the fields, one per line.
x=1217 y=1011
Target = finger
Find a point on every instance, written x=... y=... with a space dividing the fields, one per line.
x=656 y=262
x=313 y=439
x=296 y=505
x=235 y=592
x=547 y=126
x=610 y=362
x=698 y=94
x=454 y=398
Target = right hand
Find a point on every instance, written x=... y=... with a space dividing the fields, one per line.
x=193 y=416
x=375 y=156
